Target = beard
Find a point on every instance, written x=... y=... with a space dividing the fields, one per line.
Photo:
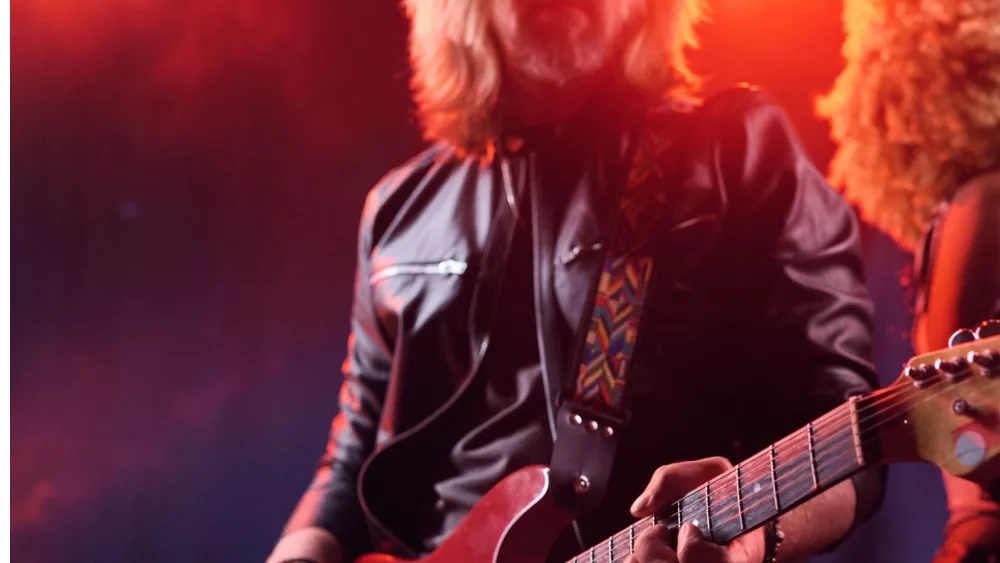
x=555 y=46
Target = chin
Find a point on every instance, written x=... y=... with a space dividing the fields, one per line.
x=559 y=63
x=560 y=73
x=545 y=77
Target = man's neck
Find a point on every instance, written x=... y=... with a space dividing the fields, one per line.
x=525 y=107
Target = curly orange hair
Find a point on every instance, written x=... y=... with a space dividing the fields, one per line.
x=916 y=111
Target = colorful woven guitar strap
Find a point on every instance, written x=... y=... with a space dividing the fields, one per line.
x=623 y=286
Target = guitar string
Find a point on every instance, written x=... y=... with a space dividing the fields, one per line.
x=761 y=460
x=673 y=516
x=603 y=554
x=886 y=417
x=835 y=416
x=731 y=502
x=791 y=467
x=799 y=478
x=729 y=499
x=641 y=527
x=641 y=523
x=646 y=523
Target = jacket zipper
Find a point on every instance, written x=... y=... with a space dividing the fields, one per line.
x=508 y=188
x=532 y=193
x=448 y=267
x=509 y=194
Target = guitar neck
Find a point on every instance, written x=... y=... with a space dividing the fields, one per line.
x=772 y=482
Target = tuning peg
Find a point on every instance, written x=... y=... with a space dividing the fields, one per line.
x=961 y=336
x=989 y=360
x=988 y=328
x=920 y=374
x=954 y=369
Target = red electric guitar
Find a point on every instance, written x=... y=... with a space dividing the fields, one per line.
x=943 y=409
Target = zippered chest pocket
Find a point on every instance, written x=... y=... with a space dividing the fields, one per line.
x=449 y=267
x=427 y=291
x=426 y=305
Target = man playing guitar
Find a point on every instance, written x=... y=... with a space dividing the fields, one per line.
x=480 y=259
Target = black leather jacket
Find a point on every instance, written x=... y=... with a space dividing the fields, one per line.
x=758 y=320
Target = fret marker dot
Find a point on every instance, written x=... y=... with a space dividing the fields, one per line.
x=756 y=487
x=695 y=521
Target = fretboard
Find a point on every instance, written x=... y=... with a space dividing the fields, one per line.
x=775 y=480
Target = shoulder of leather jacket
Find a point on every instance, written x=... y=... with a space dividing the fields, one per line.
x=389 y=194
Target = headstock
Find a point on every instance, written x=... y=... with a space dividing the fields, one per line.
x=945 y=407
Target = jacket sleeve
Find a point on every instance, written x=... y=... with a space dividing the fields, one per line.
x=814 y=340
x=331 y=501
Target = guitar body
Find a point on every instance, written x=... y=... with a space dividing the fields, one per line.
x=517 y=521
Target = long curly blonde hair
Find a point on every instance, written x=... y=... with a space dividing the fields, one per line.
x=916 y=111
x=456 y=70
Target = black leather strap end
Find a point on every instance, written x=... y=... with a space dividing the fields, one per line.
x=583 y=456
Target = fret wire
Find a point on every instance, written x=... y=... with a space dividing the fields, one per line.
x=611 y=546
x=631 y=538
x=855 y=424
x=708 y=510
x=774 y=479
x=834 y=437
x=739 y=498
x=812 y=456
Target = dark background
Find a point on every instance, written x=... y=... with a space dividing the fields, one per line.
x=187 y=177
